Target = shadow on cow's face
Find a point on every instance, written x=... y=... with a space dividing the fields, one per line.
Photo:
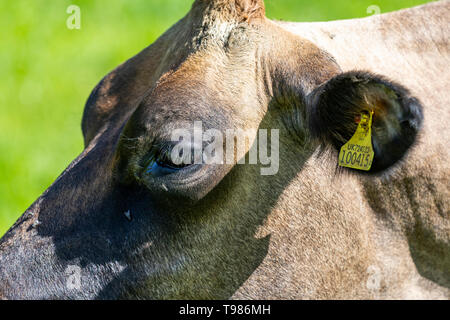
x=116 y=229
x=188 y=240
x=201 y=249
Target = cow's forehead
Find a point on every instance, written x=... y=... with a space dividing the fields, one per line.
x=220 y=59
x=216 y=19
x=217 y=81
x=239 y=10
x=205 y=88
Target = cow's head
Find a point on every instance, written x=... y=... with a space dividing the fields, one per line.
x=125 y=221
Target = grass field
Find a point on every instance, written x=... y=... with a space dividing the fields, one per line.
x=47 y=72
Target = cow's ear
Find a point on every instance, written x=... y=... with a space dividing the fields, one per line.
x=336 y=106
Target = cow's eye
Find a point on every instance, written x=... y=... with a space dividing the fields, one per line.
x=170 y=170
x=160 y=164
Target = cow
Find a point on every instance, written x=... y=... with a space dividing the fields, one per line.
x=125 y=222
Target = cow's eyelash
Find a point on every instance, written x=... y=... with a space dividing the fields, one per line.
x=160 y=155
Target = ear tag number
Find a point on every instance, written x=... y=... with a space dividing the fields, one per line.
x=358 y=153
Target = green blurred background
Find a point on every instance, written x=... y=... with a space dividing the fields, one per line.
x=47 y=72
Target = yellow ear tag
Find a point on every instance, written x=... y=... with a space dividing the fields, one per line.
x=358 y=153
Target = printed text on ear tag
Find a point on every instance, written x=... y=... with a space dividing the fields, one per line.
x=358 y=153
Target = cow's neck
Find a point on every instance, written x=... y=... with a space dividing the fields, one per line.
x=370 y=43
